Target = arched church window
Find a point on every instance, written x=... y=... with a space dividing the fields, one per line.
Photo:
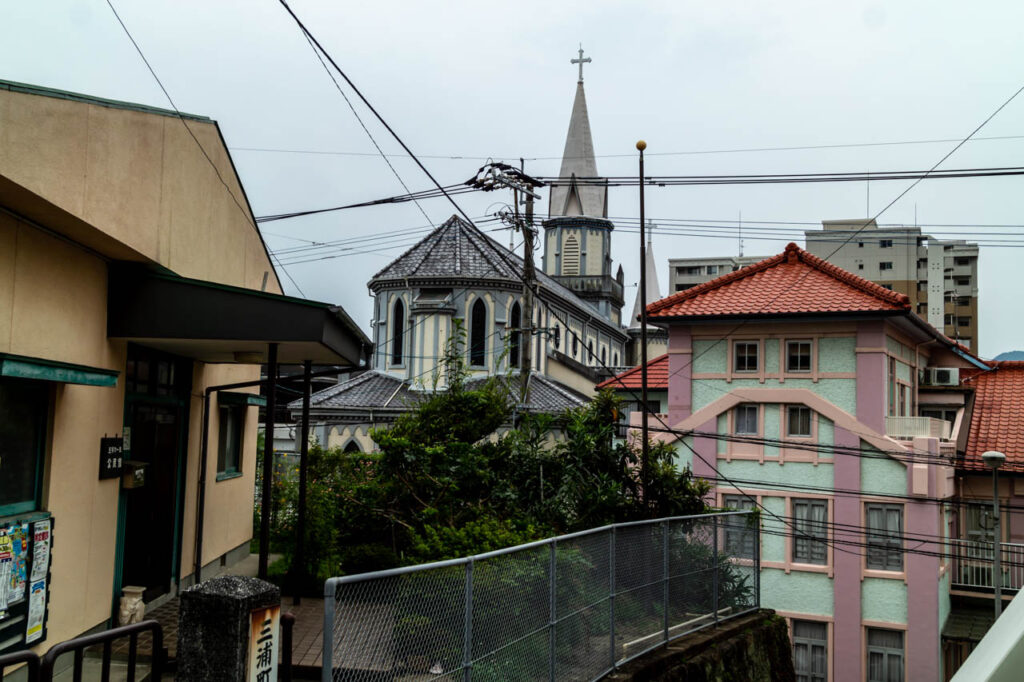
x=575 y=344
x=590 y=351
x=615 y=360
x=478 y=334
x=603 y=356
x=352 y=447
x=571 y=256
x=515 y=341
x=398 y=333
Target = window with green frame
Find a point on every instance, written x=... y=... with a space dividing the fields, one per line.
x=24 y=410
x=229 y=452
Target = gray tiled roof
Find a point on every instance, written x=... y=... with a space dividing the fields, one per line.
x=375 y=390
x=457 y=250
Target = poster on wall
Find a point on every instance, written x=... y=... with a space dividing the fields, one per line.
x=6 y=556
x=40 y=550
x=18 y=534
x=36 y=611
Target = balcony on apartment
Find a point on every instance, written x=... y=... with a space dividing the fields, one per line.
x=909 y=428
x=972 y=565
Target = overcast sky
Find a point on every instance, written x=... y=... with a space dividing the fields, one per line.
x=477 y=80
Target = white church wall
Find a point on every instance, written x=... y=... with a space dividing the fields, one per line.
x=595 y=252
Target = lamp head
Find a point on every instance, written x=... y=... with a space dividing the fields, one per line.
x=993 y=459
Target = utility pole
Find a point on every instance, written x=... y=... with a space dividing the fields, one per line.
x=529 y=278
x=645 y=448
x=491 y=177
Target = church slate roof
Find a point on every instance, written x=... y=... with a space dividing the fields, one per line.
x=381 y=392
x=459 y=251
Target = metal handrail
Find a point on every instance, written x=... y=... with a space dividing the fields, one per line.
x=26 y=656
x=78 y=646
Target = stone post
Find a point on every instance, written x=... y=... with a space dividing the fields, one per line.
x=228 y=631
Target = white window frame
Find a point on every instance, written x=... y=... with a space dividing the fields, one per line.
x=745 y=407
x=745 y=345
x=810 y=355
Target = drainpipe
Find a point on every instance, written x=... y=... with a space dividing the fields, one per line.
x=268 y=460
x=300 y=540
x=204 y=451
x=201 y=491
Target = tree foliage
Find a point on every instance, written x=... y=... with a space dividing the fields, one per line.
x=464 y=472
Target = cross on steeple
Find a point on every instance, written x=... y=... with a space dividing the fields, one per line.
x=581 y=61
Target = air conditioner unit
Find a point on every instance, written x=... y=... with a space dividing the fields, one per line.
x=942 y=376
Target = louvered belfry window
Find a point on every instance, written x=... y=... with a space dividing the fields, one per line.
x=571 y=256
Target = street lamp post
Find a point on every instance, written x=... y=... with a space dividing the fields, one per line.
x=994 y=460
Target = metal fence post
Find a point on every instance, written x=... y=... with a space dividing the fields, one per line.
x=552 y=610
x=330 y=597
x=611 y=593
x=467 y=627
x=714 y=573
x=666 y=526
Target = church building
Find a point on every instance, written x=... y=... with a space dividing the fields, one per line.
x=458 y=277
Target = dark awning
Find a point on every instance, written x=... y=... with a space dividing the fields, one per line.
x=218 y=323
x=967 y=624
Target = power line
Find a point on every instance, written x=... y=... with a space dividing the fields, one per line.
x=695 y=357
x=775 y=179
x=456 y=157
x=170 y=100
x=380 y=118
x=363 y=126
x=672 y=181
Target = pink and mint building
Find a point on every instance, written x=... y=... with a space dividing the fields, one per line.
x=799 y=385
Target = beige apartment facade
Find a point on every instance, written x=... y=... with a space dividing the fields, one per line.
x=130 y=269
x=940 y=276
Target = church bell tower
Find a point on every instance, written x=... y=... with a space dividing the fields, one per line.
x=577 y=233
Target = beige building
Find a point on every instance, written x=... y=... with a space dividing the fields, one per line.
x=939 y=276
x=132 y=279
x=684 y=273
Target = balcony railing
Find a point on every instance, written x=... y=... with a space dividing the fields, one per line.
x=908 y=428
x=972 y=565
x=593 y=284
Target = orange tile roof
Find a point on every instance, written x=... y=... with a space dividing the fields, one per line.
x=792 y=282
x=657 y=377
x=997 y=422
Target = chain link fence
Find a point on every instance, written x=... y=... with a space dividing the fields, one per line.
x=567 y=608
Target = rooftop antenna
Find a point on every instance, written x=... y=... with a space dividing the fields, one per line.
x=741 y=234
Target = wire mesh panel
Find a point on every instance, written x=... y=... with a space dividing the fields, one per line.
x=569 y=608
x=639 y=588
x=582 y=638
x=511 y=615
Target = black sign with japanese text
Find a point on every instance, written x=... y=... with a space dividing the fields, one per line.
x=111 y=457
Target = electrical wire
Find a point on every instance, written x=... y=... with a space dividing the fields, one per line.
x=614 y=156
x=170 y=100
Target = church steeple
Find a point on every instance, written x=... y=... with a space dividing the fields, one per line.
x=578 y=162
x=653 y=290
x=577 y=233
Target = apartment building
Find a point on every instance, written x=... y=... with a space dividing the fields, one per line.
x=796 y=387
x=939 y=276
x=684 y=273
